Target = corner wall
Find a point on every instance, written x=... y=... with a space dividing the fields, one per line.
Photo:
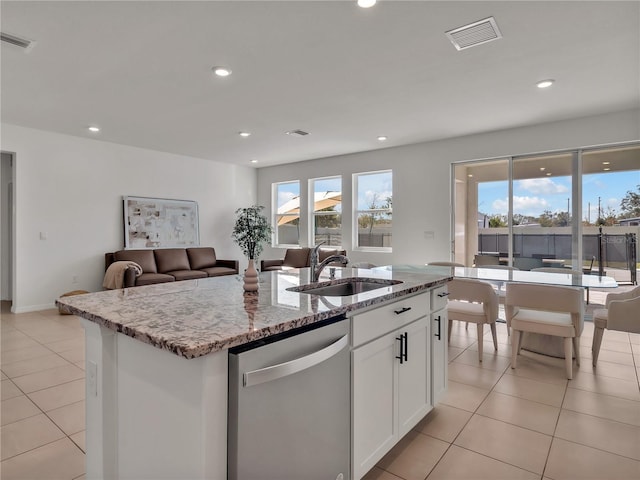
x=422 y=178
x=71 y=188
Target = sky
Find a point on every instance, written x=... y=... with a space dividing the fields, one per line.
x=533 y=196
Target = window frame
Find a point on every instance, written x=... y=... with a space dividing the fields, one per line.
x=275 y=216
x=313 y=214
x=355 y=212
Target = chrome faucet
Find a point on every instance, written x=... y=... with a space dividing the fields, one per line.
x=316 y=268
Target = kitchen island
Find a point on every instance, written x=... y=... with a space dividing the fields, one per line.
x=157 y=363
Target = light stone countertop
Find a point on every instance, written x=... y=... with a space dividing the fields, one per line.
x=192 y=318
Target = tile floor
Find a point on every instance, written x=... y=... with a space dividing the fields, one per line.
x=494 y=423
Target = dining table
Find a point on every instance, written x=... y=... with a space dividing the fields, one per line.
x=538 y=343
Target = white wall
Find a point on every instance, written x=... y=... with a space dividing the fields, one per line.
x=72 y=188
x=421 y=178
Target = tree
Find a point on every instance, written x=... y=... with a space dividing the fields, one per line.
x=497 y=221
x=630 y=204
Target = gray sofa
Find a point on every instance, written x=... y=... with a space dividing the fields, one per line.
x=297 y=258
x=171 y=264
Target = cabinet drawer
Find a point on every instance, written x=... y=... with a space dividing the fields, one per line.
x=385 y=319
x=439 y=298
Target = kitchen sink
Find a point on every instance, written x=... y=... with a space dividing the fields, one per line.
x=344 y=287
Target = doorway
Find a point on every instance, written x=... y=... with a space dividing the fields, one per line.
x=7 y=211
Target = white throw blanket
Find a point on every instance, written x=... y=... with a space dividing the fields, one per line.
x=114 y=276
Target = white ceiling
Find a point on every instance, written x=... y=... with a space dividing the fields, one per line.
x=142 y=72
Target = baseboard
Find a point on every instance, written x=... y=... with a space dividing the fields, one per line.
x=33 y=308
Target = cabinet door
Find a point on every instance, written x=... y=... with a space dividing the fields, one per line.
x=414 y=389
x=374 y=398
x=439 y=356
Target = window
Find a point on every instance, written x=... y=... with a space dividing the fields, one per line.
x=373 y=199
x=286 y=200
x=326 y=211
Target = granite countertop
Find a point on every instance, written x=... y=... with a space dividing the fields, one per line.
x=192 y=318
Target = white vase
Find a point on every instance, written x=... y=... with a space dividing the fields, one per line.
x=251 y=278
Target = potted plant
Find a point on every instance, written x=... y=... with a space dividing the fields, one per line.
x=251 y=232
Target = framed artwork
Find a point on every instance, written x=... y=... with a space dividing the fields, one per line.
x=160 y=223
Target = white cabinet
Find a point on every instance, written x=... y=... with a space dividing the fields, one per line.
x=438 y=344
x=391 y=377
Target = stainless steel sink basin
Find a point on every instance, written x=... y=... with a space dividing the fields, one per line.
x=344 y=287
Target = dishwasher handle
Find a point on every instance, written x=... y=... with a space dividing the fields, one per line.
x=268 y=374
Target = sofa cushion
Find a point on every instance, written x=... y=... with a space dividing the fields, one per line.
x=218 y=271
x=151 y=278
x=201 y=257
x=144 y=258
x=187 y=274
x=296 y=257
x=171 y=259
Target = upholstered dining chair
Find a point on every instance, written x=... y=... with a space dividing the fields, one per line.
x=548 y=310
x=500 y=286
x=476 y=302
x=566 y=271
x=622 y=314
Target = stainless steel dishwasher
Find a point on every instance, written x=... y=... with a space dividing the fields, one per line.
x=289 y=405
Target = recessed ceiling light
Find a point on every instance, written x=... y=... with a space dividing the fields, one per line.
x=470 y=175
x=548 y=174
x=382 y=138
x=93 y=129
x=366 y=3
x=606 y=169
x=221 y=71
x=606 y=163
x=542 y=169
x=244 y=134
x=545 y=83
x=254 y=161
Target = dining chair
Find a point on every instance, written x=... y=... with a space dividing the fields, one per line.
x=446 y=264
x=621 y=314
x=500 y=286
x=473 y=301
x=566 y=271
x=548 y=310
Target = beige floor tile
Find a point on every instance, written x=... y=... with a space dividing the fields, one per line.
x=444 y=422
x=604 y=406
x=634 y=338
x=33 y=365
x=540 y=367
x=586 y=380
x=377 y=473
x=69 y=418
x=79 y=439
x=16 y=340
x=29 y=433
x=453 y=352
x=60 y=395
x=596 y=432
x=517 y=446
x=487 y=347
x=9 y=390
x=608 y=344
x=414 y=456
x=3 y=376
x=64 y=345
x=529 y=389
x=470 y=375
x=74 y=355
x=570 y=461
x=17 y=408
x=461 y=341
x=80 y=365
x=606 y=356
x=607 y=369
x=464 y=396
x=53 y=333
x=25 y=353
x=616 y=336
x=57 y=460
x=462 y=464
x=48 y=378
x=518 y=411
x=490 y=361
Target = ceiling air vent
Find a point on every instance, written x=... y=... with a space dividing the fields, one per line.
x=300 y=133
x=475 y=33
x=27 y=45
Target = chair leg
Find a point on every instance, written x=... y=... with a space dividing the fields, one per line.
x=576 y=349
x=495 y=336
x=466 y=325
x=449 y=333
x=595 y=346
x=568 y=357
x=587 y=295
x=520 y=342
x=514 y=347
x=480 y=340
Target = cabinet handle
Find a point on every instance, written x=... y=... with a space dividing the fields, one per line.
x=406 y=346
x=405 y=309
x=401 y=356
x=443 y=294
x=439 y=322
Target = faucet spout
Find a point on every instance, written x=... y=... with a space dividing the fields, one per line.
x=316 y=268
